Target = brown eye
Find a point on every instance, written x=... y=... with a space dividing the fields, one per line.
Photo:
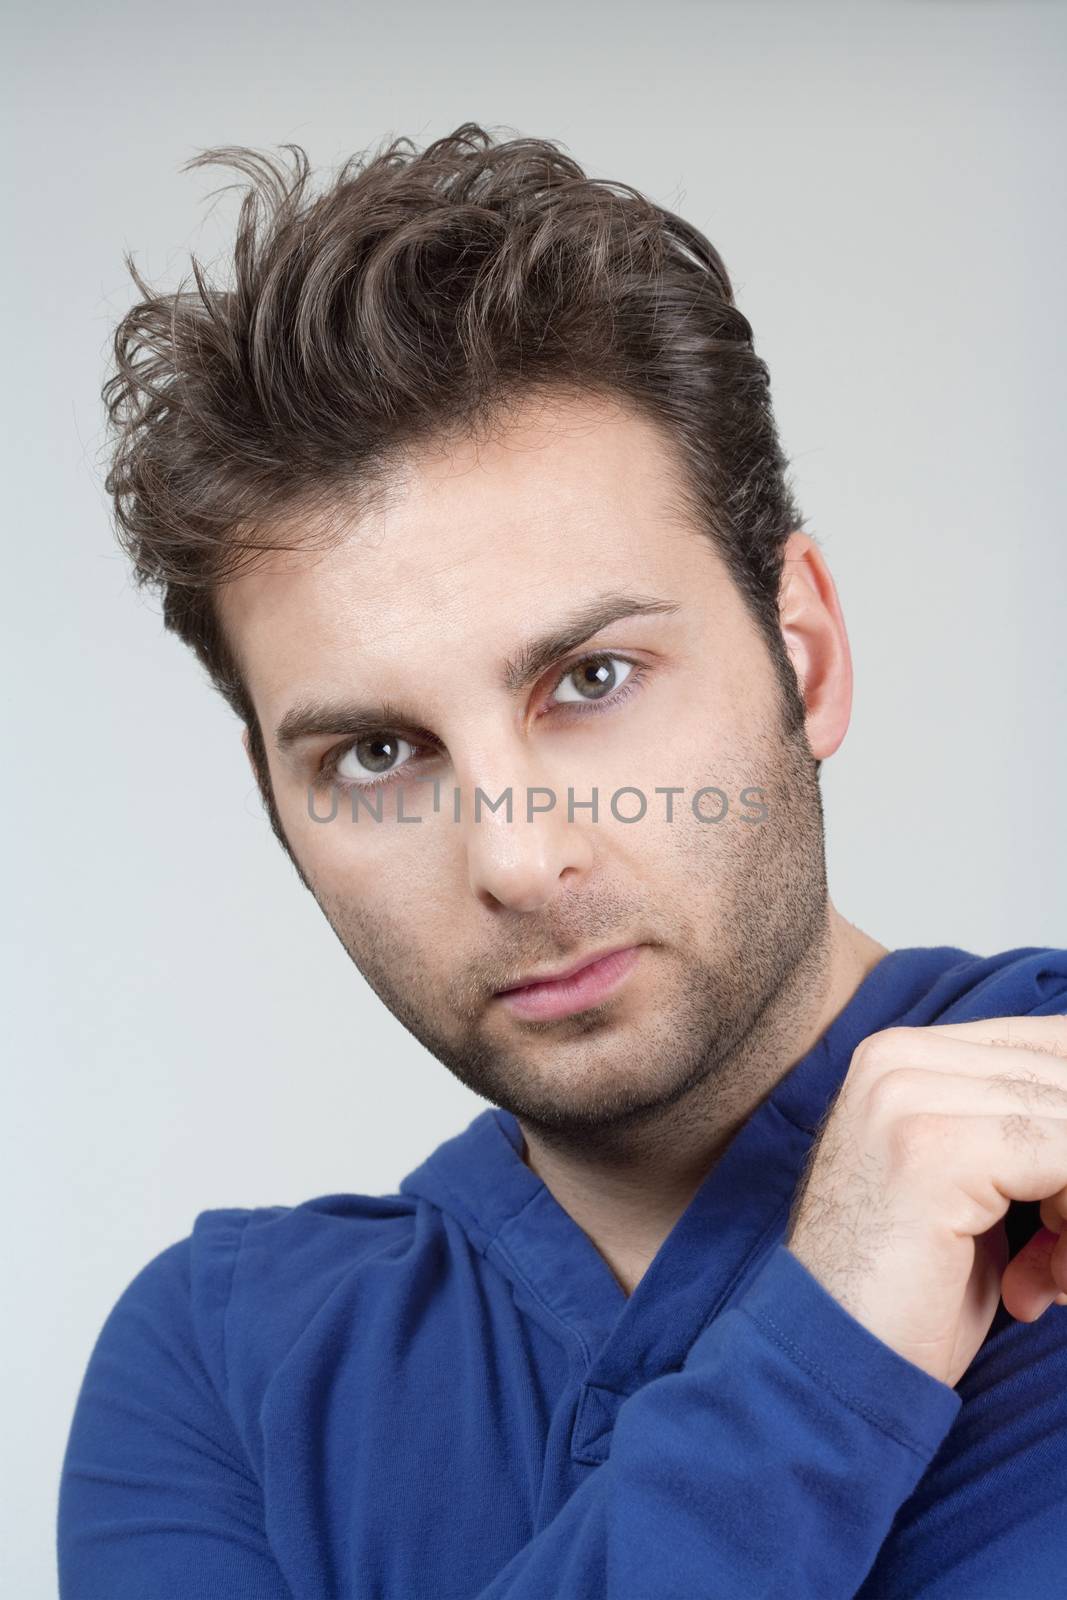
x=371 y=759
x=594 y=678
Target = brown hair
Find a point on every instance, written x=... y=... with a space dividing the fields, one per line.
x=420 y=296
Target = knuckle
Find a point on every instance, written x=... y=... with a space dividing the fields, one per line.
x=918 y=1137
x=892 y=1096
x=879 y=1050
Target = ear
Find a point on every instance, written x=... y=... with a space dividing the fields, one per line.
x=813 y=629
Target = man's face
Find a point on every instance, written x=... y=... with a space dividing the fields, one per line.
x=481 y=550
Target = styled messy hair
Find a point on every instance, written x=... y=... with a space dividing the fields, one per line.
x=419 y=296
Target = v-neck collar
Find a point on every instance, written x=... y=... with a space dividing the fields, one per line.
x=737 y=1214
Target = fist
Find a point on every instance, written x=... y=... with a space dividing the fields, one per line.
x=899 y=1211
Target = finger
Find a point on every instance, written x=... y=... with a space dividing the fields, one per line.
x=1058 y=1264
x=908 y=1091
x=1027 y=1287
x=939 y=1050
x=1024 y=1033
x=975 y=1165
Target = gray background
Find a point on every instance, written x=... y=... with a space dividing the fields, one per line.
x=884 y=183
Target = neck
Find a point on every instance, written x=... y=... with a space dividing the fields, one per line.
x=627 y=1203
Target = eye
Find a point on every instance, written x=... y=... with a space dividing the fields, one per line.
x=377 y=758
x=594 y=678
x=371 y=760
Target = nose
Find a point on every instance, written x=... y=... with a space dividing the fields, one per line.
x=520 y=863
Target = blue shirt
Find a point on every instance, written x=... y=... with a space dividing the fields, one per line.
x=444 y=1393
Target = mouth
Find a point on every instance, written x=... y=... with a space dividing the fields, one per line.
x=587 y=985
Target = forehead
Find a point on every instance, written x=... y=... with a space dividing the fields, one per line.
x=474 y=543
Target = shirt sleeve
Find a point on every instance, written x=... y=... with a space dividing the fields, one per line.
x=771 y=1464
x=157 y=1499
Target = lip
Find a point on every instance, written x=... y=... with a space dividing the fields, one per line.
x=565 y=972
x=578 y=988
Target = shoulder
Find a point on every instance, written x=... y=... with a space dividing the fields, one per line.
x=258 y=1277
x=239 y=1288
x=1028 y=980
x=195 y=1336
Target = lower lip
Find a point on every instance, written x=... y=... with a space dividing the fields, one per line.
x=563 y=996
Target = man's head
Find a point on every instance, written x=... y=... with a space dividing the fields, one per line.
x=448 y=409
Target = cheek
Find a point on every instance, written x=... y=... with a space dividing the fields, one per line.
x=708 y=842
x=361 y=835
x=649 y=743
x=387 y=923
x=385 y=880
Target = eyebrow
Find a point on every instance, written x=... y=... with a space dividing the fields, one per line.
x=309 y=718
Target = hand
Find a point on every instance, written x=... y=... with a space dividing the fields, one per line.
x=899 y=1211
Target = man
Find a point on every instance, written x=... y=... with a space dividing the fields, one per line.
x=469 y=497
